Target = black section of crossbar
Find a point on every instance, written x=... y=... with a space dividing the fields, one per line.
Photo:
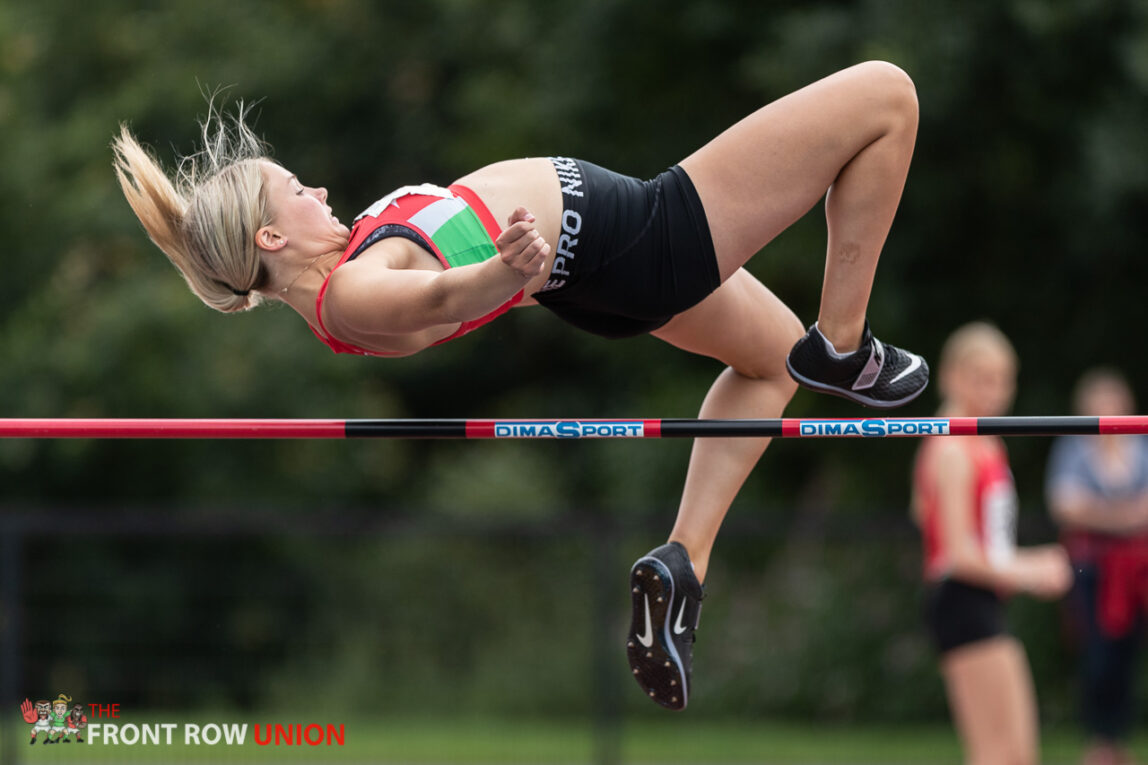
x=406 y=428
x=1038 y=426
x=685 y=428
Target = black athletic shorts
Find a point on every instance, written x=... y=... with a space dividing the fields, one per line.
x=958 y=614
x=631 y=254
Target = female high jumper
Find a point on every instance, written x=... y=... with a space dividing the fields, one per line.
x=965 y=503
x=610 y=254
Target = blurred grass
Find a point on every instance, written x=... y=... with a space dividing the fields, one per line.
x=674 y=739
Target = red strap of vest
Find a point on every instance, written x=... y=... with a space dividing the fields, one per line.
x=480 y=209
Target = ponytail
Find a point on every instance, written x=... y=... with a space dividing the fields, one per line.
x=206 y=216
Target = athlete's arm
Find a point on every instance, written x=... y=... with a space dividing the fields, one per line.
x=374 y=299
x=1076 y=507
x=1042 y=571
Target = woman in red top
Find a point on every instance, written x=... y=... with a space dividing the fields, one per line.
x=610 y=254
x=965 y=503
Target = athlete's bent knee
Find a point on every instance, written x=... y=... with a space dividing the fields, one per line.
x=784 y=332
x=794 y=329
x=780 y=385
x=894 y=87
x=889 y=77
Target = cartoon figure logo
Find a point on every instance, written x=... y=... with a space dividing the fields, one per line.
x=77 y=721
x=52 y=722
x=38 y=718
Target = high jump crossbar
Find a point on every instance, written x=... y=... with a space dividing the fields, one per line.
x=867 y=427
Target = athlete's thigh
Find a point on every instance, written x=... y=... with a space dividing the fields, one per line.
x=992 y=699
x=763 y=173
x=741 y=324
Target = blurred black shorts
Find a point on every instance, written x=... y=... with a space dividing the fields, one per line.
x=958 y=614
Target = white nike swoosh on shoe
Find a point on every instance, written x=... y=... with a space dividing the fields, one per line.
x=679 y=628
x=647 y=639
x=914 y=365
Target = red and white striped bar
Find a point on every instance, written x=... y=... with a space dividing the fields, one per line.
x=866 y=427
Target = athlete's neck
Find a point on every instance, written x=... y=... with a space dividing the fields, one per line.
x=301 y=291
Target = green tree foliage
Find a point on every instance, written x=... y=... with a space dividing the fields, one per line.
x=1024 y=205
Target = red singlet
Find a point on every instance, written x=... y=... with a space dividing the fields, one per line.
x=994 y=503
x=453 y=224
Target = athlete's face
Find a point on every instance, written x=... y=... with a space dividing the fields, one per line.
x=1107 y=399
x=983 y=383
x=300 y=213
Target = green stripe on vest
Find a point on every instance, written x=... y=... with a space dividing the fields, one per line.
x=463 y=239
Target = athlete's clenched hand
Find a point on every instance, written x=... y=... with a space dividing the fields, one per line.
x=520 y=245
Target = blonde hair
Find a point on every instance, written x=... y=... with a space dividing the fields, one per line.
x=973 y=338
x=205 y=218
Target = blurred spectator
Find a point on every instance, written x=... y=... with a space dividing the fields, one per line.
x=1098 y=494
x=965 y=503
